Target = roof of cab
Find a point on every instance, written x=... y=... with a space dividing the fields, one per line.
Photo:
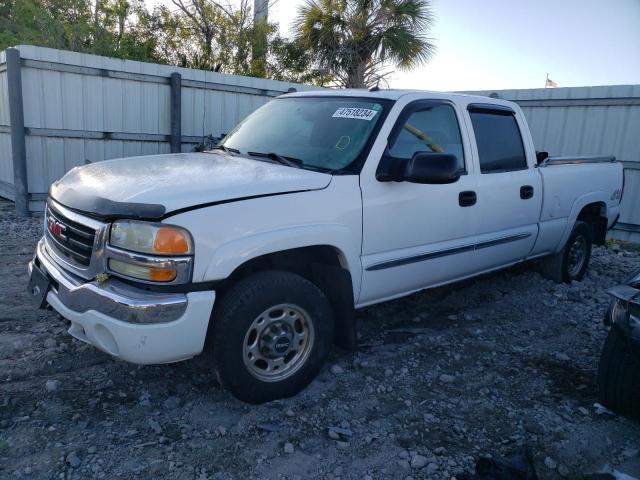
x=395 y=95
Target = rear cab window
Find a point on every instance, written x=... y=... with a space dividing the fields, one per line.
x=498 y=138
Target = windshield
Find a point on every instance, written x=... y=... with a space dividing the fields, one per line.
x=323 y=132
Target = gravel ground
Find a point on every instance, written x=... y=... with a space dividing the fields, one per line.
x=440 y=378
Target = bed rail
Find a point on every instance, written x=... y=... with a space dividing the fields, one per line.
x=577 y=160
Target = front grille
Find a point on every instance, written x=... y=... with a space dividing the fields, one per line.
x=72 y=240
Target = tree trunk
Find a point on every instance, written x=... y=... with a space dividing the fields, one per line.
x=356 y=76
x=121 y=18
x=208 y=48
x=97 y=31
x=259 y=40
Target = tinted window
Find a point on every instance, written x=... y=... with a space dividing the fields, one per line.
x=432 y=129
x=499 y=142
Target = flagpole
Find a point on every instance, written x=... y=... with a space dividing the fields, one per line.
x=546 y=82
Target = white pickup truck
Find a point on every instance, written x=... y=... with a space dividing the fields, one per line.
x=259 y=251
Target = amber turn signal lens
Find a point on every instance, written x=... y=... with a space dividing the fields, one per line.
x=170 y=240
x=162 y=274
x=143 y=272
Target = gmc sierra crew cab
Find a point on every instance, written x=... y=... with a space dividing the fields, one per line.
x=259 y=251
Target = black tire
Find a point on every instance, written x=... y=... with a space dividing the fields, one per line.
x=619 y=375
x=558 y=267
x=234 y=315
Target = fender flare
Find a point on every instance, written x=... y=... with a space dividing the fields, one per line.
x=233 y=254
x=578 y=205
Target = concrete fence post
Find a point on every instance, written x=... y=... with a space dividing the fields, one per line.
x=176 y=112
x=18 y=146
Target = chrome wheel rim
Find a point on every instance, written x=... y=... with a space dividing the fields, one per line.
x=577 y=255
x=278 y=342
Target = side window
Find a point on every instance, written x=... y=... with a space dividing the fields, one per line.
x=499 y=141
x=431 y=129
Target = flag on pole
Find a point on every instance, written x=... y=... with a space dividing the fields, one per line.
x=550 y=83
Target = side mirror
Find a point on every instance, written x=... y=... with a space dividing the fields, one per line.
x=541 y=157
x=434 y=168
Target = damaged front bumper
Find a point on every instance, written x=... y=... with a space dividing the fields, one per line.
x=124 y=321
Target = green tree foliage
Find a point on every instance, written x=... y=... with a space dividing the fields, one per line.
x=104 y=27
x=288 y=60
x=55 y=23
x=342 y=42
x=203 y=34
x=356 y=42
x=224 y=37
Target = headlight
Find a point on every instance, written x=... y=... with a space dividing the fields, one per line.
x=619 y=313
x=151 y=252
x=153 y=238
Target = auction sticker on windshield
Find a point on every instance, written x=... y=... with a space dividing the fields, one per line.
x=358 y=113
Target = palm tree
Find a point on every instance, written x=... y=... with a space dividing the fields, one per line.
x=356 y=41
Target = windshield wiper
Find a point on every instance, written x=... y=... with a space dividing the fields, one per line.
x=225 y=149
x=288 y=161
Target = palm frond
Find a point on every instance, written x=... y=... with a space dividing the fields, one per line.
x=357 y=40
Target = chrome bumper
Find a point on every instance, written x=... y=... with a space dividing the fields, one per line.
x=112 y=297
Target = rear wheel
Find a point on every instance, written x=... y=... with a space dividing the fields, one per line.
x=272 y=333
x=572 y=261
x=619 y=375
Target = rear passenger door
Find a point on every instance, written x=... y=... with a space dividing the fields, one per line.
x=509 y=187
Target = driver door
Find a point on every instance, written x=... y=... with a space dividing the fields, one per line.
x=419 y=235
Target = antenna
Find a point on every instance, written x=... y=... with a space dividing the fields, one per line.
x=376 y=87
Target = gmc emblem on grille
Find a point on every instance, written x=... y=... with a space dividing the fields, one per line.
x=56 y=228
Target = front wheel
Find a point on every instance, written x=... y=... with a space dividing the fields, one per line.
x=570 y=264
x=272 y=333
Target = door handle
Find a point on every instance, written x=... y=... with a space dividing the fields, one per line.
x=467 y=198
x=526 y=192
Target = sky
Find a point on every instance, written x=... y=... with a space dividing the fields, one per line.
x=500 y=44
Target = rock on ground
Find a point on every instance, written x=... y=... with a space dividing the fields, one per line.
x=441 y=378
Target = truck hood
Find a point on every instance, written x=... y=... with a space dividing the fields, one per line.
x=151 y=186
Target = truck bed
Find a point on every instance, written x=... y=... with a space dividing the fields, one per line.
x=565 y=181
